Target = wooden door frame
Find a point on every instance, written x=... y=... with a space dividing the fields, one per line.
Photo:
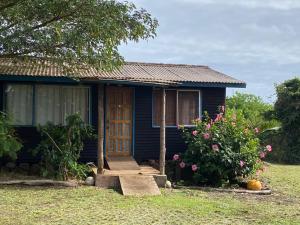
x=132 y=146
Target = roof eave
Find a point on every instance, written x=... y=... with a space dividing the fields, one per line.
x=213 y=84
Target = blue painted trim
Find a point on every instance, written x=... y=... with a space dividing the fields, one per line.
x=37 y=79
x=218 y=85
x=133 y=123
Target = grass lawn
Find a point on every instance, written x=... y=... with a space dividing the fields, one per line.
x=89 y=205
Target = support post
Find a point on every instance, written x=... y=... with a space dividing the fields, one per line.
x=162 y=155
x=100 y=128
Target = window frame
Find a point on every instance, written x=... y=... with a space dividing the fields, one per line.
x=33 y=86
x=177 y=105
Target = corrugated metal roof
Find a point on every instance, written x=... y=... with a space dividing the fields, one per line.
x=158 y=73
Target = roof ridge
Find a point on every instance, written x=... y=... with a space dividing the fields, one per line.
x=164 y=64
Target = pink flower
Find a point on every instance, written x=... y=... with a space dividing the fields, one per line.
x=206 y=136
x=262 y=155
x=219 y=117
x=215 y=148
x=182 y=165
x=175 y=157
x=256 y=130
x=208 y=126
x=242 y=163
x=269 y=148
x=222 y=108
x=195 y=133
x=194 y=167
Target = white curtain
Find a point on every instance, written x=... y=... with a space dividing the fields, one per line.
x=48 y=104
x=19 y=103
x=75 y=100
x=55 y=103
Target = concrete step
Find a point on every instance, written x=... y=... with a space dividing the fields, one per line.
x=122 y=163
x=138 y=185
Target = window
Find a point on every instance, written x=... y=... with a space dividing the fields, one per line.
x=170 y=107
x=182 y=107
x=19 y=103
x=38 y=104
x=188 y=107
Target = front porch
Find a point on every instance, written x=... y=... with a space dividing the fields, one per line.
x=126 y=175
x=115 y=133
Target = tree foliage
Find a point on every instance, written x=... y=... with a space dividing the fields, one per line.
x=254 y=110
x=76 y=32
x=9 y=143
x=287 y=110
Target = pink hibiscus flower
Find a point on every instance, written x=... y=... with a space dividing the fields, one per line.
x=262 y=155
x=195 y=133
x=182 y=165
x=215 y=148
x=194 y=167
x=175 y=157
x=256 y=130
x=206 y=136
x=222 y=108
x=269 y=148
x=242 y=163
x=208 y=126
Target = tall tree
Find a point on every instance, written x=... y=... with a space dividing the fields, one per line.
x=72 y=32
x=287 y=110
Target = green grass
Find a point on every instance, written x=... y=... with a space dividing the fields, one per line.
x=89 y=205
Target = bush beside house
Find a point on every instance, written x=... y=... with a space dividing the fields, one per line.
x=60 y=148
x=9 y=142
x=221 y=150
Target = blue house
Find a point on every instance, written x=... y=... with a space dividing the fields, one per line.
x=135 y=110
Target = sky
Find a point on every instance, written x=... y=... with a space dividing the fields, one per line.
x=257 y=41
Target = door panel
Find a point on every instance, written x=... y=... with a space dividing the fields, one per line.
x=118 y=121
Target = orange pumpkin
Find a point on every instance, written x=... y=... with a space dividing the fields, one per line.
x=254 y=185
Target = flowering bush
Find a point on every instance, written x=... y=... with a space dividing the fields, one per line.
x=221 y=150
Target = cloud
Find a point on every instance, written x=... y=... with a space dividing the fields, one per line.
x=273 y=4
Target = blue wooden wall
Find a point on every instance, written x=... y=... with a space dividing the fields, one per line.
x=146 y=137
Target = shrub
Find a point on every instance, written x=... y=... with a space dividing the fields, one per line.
x=60 y=148
x=221 y=150
x=287 y=110
x=9 y=143
x=254 y=110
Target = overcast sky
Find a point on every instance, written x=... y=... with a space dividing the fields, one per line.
x=257 y=41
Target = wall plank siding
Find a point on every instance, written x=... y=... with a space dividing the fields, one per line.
x=146 y=136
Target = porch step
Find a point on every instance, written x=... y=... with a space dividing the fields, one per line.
x=138 y=185
x=122 y=163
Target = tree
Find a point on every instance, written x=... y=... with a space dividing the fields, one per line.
x=253 y=109
x=72 y=32
x=287 y=110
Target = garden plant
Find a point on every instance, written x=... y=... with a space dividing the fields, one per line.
x=60 y=148
x=222 y=150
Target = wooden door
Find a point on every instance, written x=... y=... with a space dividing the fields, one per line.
x=118 y=121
